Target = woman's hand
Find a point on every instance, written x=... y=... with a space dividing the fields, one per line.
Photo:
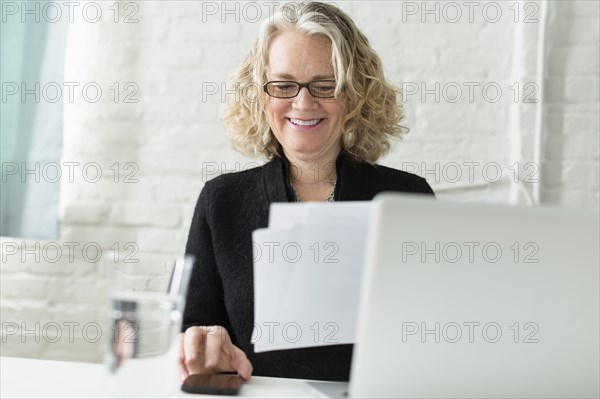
x=208 y=350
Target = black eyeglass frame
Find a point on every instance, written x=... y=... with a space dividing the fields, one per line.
x=300 y=86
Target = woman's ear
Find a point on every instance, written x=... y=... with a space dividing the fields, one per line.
x=348 y=139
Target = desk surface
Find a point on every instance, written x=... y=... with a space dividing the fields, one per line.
x=57 y=379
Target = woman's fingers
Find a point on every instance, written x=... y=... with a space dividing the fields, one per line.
x=210 y=350
x=183 y=372
x=194 y=348
x=229 y=356
x=223 y=355
x=216 y=338
x=241 y=364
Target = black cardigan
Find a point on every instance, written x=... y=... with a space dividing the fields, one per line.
x=229 y=208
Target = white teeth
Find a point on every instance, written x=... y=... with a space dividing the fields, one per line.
x=305 y=123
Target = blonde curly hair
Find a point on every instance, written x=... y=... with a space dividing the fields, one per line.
x=373 y=112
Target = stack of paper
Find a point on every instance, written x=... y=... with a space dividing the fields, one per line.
x=308 y=267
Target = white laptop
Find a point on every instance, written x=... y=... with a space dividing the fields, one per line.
x=475 y=300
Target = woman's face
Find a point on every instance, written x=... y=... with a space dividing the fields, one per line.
x=295 y=56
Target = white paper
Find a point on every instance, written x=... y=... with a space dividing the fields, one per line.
x=307 y=275
x=284 y=215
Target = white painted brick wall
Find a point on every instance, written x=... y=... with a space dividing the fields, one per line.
x=572 y=148
x=171 y=141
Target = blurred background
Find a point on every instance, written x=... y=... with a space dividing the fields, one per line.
x=111 y=125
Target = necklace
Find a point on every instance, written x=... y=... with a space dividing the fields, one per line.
x=328 y=199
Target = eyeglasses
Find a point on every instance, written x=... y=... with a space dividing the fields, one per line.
x=289 y=89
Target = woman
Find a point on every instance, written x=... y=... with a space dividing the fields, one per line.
x=325 y=116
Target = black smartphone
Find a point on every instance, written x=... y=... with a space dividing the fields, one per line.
x=216 y=384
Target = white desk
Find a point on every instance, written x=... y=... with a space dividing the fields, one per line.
x=56 y=379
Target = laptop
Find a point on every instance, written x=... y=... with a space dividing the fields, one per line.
x=476 y=300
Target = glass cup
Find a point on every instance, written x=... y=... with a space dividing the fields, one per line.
x=143 y=348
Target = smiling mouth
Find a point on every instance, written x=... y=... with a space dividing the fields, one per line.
x=305 y=122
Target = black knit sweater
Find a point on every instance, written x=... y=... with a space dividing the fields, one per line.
x=221 y=292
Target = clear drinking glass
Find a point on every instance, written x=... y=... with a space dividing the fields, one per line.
x=143 y=348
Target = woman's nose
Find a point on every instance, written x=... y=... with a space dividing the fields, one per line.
x=304 y=100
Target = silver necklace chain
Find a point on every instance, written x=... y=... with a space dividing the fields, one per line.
x=328 y=199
